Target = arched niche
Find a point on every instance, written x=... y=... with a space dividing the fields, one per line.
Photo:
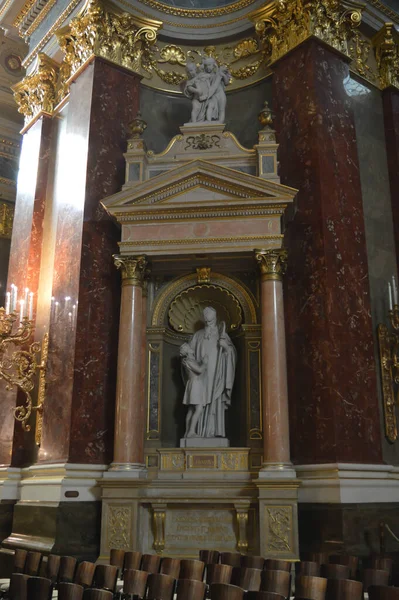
x=175 y=315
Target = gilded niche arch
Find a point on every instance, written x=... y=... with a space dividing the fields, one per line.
x=235 y=292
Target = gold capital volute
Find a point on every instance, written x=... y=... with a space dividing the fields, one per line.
x=272 y=263
x=133 y=269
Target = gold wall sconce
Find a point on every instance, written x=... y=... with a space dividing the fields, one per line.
x=18 y=367
x=388 y=342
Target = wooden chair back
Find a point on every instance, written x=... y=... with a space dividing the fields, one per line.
x=18 y=586
x=66 y=572
x=133 y=561
x=274 y=564
x=230 y=558
x=374 y=577
x=160 y=587
x=218 y=573
x=94 y=594
x=320 y=557
x=209 y=557
x=334 y=571
x=85 y=574
x=32 y=564
x=276 y=581
x=312 y=588
x=383 y=592
x=307 y=567
x=39 y=588
x=117 y=558
x=105 y=577
x=192 y=569
x=190 y=589
x=170 y=566
x=225 y=591
x=263 y=596
x=19 y=560
x=52 y=567
x=345 y=559
x=135 y=582
x=246 y=578
x=150 y=563
x=344 y=589
x=252 y=562
x=382 y=563
x=70 y=591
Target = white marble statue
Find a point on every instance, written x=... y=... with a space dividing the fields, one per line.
x=205 y=87
x=209 y=363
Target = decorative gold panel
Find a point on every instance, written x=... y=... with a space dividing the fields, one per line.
x=6 y=219
x=119 y=527
x=279 y=529
x=388 y=346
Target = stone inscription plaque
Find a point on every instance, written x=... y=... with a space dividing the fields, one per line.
x=212 y=528
x=203 y=461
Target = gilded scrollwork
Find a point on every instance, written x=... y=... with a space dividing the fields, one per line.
x=279 y=528
x=389 y=365
x=386 y=46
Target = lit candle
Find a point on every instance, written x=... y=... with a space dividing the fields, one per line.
x=21 y=312
x=390 y=295
x=14 y=292
x=57 y=304
x=395 y=291
x=26 y=297
x=8 y=303
x=30 y=306
x=74 y=313
x=70 y=318
x=67 y=299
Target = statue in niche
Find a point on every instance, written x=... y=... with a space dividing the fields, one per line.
x=209 y=363
x=205 y=88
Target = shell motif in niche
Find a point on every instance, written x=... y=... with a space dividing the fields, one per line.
x=186 y=310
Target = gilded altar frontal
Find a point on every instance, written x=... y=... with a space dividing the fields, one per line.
x=199 y=306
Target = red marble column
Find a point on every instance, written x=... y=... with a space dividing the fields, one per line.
x=16 y=446
x=331 y=369
x=129 y=410
x=276 y=442
x=79 y=413
x=390 y=98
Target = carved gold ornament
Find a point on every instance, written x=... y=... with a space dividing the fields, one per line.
x=186 y=311
x=18 y=367
x=272 y=263
x=284 y=24
x=279 y=529
x=133 y=269
x=389 y=365
x=6 y=220
x=386 y=45
x=37 y=93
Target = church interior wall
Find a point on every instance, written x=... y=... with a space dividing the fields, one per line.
x=380 y=242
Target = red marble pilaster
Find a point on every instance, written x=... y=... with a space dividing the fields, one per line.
x=79 y=415
x=334 y=414
x=24 y=268
x=390 y=98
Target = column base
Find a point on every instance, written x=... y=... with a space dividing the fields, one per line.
x=277 y=471
x=126 y=470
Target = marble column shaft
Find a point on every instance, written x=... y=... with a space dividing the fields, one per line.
x=276 y=443
x=390 y=98
x=330 y=349
x=81 y=377
x=16 y=446
x=129 y=416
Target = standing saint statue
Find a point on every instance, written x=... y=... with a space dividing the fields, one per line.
x=209 y=363
x=205 y=88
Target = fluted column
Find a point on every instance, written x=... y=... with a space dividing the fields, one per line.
x=276 y=443
x=129 y=410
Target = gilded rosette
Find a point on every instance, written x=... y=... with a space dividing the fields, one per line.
x=133 y=269
x=272 y=263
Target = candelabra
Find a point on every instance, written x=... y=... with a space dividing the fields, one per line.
x=18 y=367
x=389 y=364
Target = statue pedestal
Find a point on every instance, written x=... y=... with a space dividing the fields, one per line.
x=200 y=442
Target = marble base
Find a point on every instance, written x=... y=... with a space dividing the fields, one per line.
x=277 y=471
x=200 y=442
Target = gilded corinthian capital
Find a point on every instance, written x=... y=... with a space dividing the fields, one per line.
x=272 y=263
x=284 y=24
x=36 y=93
x=386 y=47
x=133 y=269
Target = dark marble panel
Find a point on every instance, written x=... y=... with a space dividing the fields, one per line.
x=4 y=258
x=165 y=113
x=334 y=414
x=381 y=256
x=347 y=528
x=83 y=341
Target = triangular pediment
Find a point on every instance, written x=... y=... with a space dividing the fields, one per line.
x=195 y=184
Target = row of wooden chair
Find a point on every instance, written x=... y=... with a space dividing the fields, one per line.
x=25 y=587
